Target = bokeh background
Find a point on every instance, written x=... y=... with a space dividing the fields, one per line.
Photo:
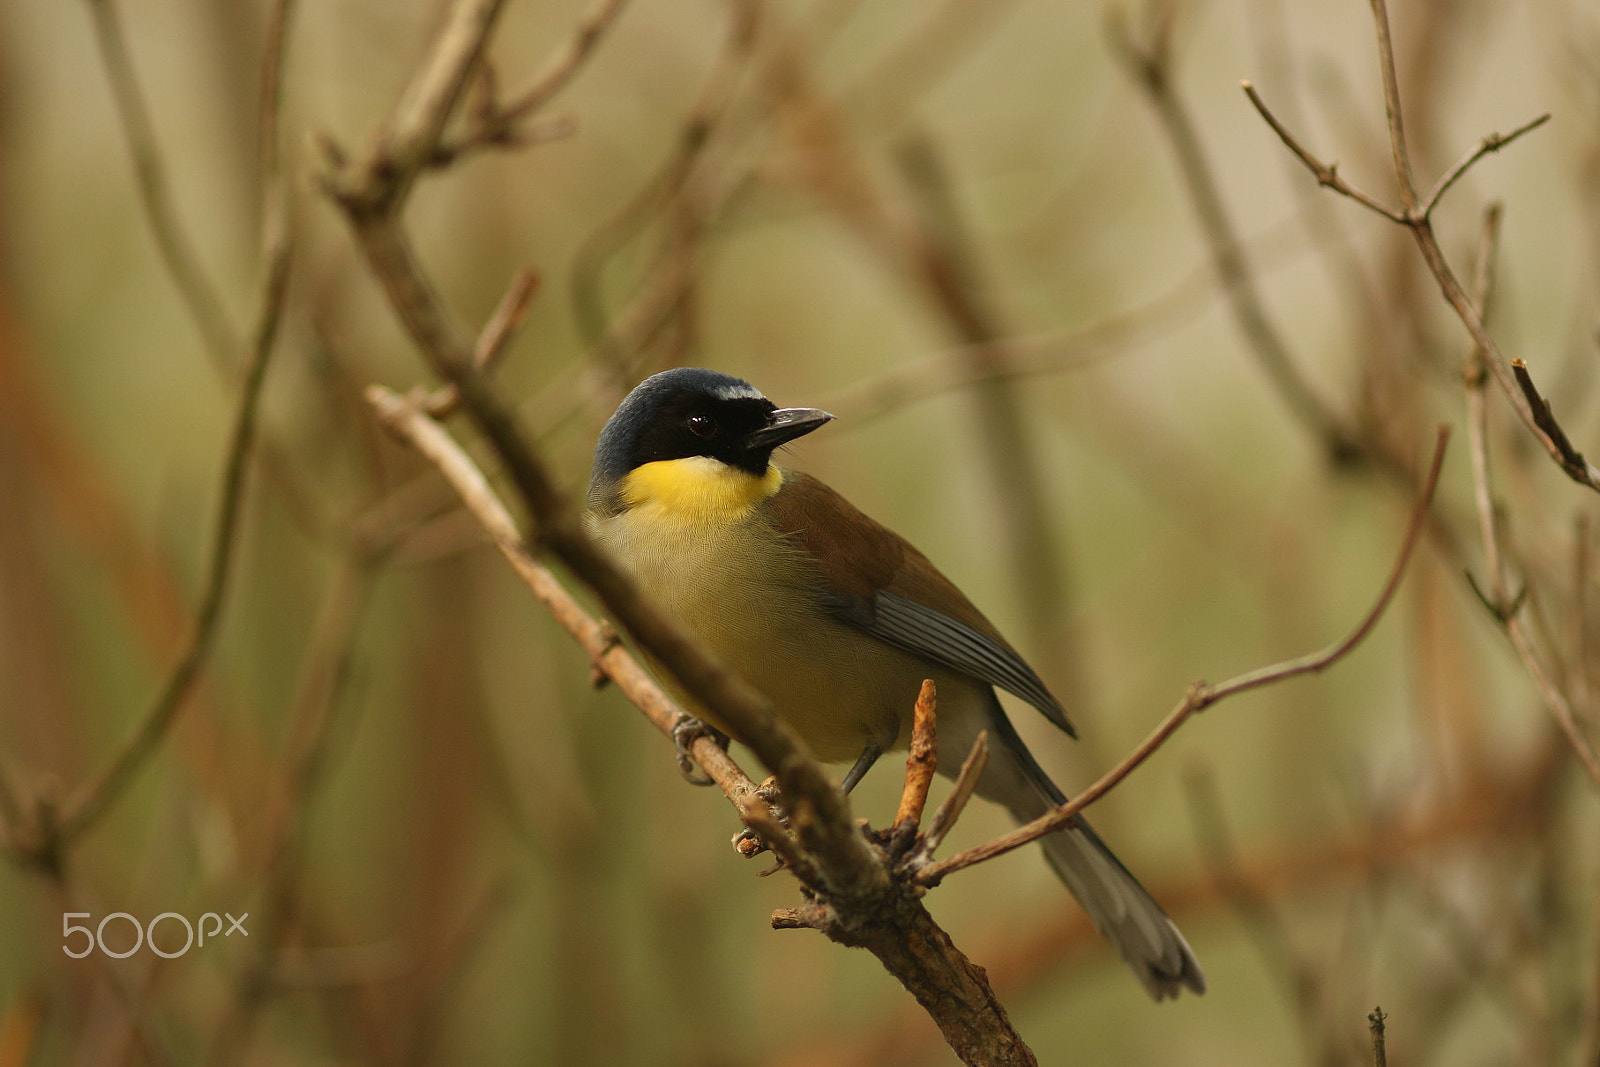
x=970 y=229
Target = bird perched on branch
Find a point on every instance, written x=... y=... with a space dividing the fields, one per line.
x=836 y=619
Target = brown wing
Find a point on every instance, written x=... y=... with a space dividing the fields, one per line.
x=874 y=579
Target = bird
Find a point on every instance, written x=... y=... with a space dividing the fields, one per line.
x=836 y=620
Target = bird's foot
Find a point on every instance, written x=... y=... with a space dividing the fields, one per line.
x=687 y=731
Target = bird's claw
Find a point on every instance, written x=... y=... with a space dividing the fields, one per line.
x=685 y=733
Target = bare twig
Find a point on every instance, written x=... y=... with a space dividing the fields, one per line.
x=1327 y=174
x=494 y=336
x=1391 y=109
x=1581 y=625
x=944 y=820
x=496 y=125
x=1299 y=981
x=922 y=760
x=672 y=190
x=409 y=140
x=201 y=300
x=1492 y=143
x=1416 y=216
x=1475 y=376
x=508 y=315
x=94 y=797
x=1151 y=68
x=1570 y=458
x=759 y=818
x=1375 y=1022
x=1201 y=696
x=1502 y=603
x=561 y=66
x=1555 y=699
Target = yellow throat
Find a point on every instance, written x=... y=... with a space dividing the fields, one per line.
x=699 y=489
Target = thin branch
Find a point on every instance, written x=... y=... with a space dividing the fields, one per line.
x=1327 y=174
x=1201 y=696
x=95 y=797
x=1571 y=459
x=944 y=820
x=1375 y=1022
x=1391 y=108
x=1582 y=643
x=1554 y=698
x=1417 y=217
x=1475 y=376
x=269 y=134
x=563 y=64
x=759 y=818
x=1526 y=400
x=1492 y=143
x=922 y=760
x=494 y=336
x=409 y=140
x=508 y=315
x=92 y=800
x=1151 y=67
x=496 y=125
x=178 y=255
x=1505 y=607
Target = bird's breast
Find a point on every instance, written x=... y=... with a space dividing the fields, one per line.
x=754 y=601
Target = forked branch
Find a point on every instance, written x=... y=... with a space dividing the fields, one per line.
x=1416 y=215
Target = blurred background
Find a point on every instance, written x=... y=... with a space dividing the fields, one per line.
x=1098 y=345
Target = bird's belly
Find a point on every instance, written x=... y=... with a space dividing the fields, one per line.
x=748 y=599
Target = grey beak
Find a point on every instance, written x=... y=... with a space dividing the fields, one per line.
x=784 y=425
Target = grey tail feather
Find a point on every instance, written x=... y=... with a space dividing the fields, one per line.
x=1121 y=909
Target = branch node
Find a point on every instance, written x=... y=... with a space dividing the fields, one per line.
x=759 y=818
x=1502 y=610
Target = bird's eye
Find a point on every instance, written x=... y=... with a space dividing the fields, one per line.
x=702 y=425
